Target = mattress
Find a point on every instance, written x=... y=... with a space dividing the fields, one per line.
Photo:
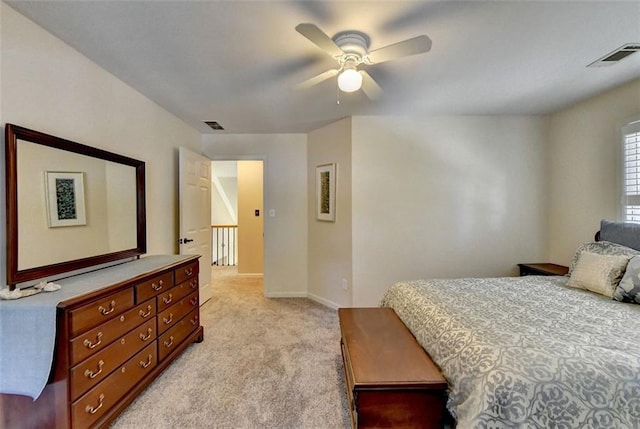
x=527 y=351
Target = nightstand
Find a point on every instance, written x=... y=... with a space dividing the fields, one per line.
x=542 y=270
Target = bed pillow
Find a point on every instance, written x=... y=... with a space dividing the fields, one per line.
x=624 y=233
x=602 y=248
x=598 y=273
x=628 y=290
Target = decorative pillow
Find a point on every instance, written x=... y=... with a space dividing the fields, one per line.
x=624 y=233
x=602 y=248
x=598 y=273
x=628 y=290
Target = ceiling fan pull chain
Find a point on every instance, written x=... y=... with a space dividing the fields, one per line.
x=337 y=93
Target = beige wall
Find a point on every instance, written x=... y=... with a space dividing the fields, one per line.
x=431 y=196
x=285 y=191
x=41 y=244
x=585 y=167
x=48 y=86
x=250 y=226
x=221 y=214
x=330 y=258
x=121 y=206
x=439 y=197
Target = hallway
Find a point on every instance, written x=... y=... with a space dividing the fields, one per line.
x=270 y=363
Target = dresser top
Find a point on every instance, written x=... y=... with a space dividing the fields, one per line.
x=28 y=325
x=103 y=281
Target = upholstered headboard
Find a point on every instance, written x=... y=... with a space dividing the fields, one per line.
x=627 y=234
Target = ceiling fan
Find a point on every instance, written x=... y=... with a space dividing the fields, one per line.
x=351 y=49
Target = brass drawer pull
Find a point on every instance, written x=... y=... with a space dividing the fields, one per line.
x=167 y=299
x=188 y=271
x=92 y=374
x=193 y=284
x=147 y=314
x=168 y=320
x=146 y=337
x=91 y=345
x=194 y=321
x=158 y=286
x=194 y=300
x=104 y=311
x=147 y=363
x=91 y=410
x=169 y=343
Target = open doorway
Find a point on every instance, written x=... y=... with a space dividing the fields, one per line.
x=237 y=225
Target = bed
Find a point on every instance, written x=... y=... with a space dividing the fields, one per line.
x=537 y=351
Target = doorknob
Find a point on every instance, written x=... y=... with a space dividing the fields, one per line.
x=184 y=241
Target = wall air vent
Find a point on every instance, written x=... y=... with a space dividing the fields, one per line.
x=214 y=125
x=613 y=57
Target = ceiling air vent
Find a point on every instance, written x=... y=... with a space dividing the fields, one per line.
x=214 y=125
x=613 y=57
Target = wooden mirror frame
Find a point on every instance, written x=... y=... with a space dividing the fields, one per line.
x=13 y=133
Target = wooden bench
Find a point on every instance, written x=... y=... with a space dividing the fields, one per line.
x=390 y=379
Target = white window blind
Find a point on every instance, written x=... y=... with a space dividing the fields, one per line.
x=631 y=172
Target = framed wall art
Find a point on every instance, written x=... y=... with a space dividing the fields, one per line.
x=326 y=192
x=65 y=199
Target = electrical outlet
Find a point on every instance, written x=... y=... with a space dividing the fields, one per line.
x=345 y=284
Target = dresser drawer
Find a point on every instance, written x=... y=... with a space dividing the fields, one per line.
x=90 y=407
x=177 y=311
x=98 y=338
x=187 y=272
x=175 y=294
x=94 y=369
x=153 y=287
x=168 y=341
x=98 y=312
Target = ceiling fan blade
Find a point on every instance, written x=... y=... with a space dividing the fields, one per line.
x=417 y=45
x=319 y=38
x=369 y=86
x=317 y=79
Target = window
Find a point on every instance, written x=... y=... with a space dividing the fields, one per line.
x=631 y=172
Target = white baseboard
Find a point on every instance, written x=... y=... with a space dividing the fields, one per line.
x=206 y=292
x=250 y=275
x=323 y=301
x=310 y=296
x=285 y=294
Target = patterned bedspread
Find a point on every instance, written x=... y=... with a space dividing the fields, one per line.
x=527 y=352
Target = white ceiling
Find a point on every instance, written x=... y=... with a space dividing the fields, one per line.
x=237 y=62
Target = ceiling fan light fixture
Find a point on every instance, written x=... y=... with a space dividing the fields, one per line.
x=349 y=80
x=351 y=49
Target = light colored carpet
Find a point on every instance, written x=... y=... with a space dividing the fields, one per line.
x=264 y=363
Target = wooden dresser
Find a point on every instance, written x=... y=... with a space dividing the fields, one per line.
x=543 y=269
x=112 y=342
x=391 y=381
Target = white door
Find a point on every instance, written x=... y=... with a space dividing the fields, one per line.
x=195 y=214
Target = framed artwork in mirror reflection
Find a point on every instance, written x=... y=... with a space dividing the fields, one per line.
x=65 y=198
x=326 y=192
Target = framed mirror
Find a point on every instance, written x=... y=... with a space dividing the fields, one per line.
x=69 y=206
